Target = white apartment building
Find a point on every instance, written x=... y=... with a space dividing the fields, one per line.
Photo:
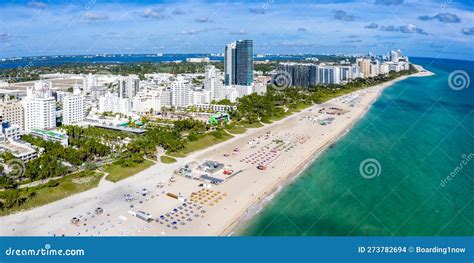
x=384 y=69
x=229 y=67
x=166 y=98
x=229 y=93
x=39 y=107
x=329 y=75
x=112 y=103
x=180 y=93
x=128 y=86
x=73 y=109
x=243 y=90
x=147 y=101
x=59 y=95
x=201 y=96
x=11 y=133
x=398 y=66
x=89 y=81
x=213 y=82
x=395 y=55
x=346 y=73
x=374 y=68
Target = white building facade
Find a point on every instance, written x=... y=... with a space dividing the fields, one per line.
x=112 y=103
x=73 y=109
x=39 y=107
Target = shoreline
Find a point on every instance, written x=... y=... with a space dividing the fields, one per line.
x=307 y=138
x=244 y=219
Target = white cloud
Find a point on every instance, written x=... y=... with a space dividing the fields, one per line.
x=37 y=4
x=301 y=22
x=202 y=20
x=158 y=13
x=90 y=16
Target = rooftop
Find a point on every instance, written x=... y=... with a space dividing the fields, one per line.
x=16 y=148
x=50 y=133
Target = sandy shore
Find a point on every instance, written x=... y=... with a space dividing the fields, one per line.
x=285 y=147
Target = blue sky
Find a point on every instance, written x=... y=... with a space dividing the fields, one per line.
x=442 y=28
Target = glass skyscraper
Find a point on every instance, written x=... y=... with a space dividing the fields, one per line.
x=238 y=63
x=308 y=75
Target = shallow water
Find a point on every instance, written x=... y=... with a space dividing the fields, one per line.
x=419 y=132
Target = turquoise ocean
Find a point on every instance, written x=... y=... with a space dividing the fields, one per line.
x=415 y=148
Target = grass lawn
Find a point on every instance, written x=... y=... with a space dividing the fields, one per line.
x=26 y=181
x=117 y=172
x=252 y=125
x=202 y=143
x=279 y=117
x=167 y=159
x=236 y=129
x=52 y=191
x=266 y=121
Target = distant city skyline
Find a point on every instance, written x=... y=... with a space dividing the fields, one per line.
x=428 y=29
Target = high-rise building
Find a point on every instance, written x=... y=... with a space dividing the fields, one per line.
x=306 y=75
x=180 y=93
x=301 y=75
x=12 y=112
x=166 y=97
x=393 y=56
x=244 y=62
x=213 y=82
x=329 y=75
x=313 y=75
x=346 y=73
x=39 y=107
x=229 y=64
x=73 y=108
x=364 y=65
x=374 y=68
x=128 y=86
x=238 y=63
x=89 y=82
x=384 y=68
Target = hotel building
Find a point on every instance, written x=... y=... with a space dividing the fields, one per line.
x=39 y=107
x=12 y=112
x=73 y=108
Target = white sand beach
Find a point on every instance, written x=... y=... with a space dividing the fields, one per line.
x=282 y=148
